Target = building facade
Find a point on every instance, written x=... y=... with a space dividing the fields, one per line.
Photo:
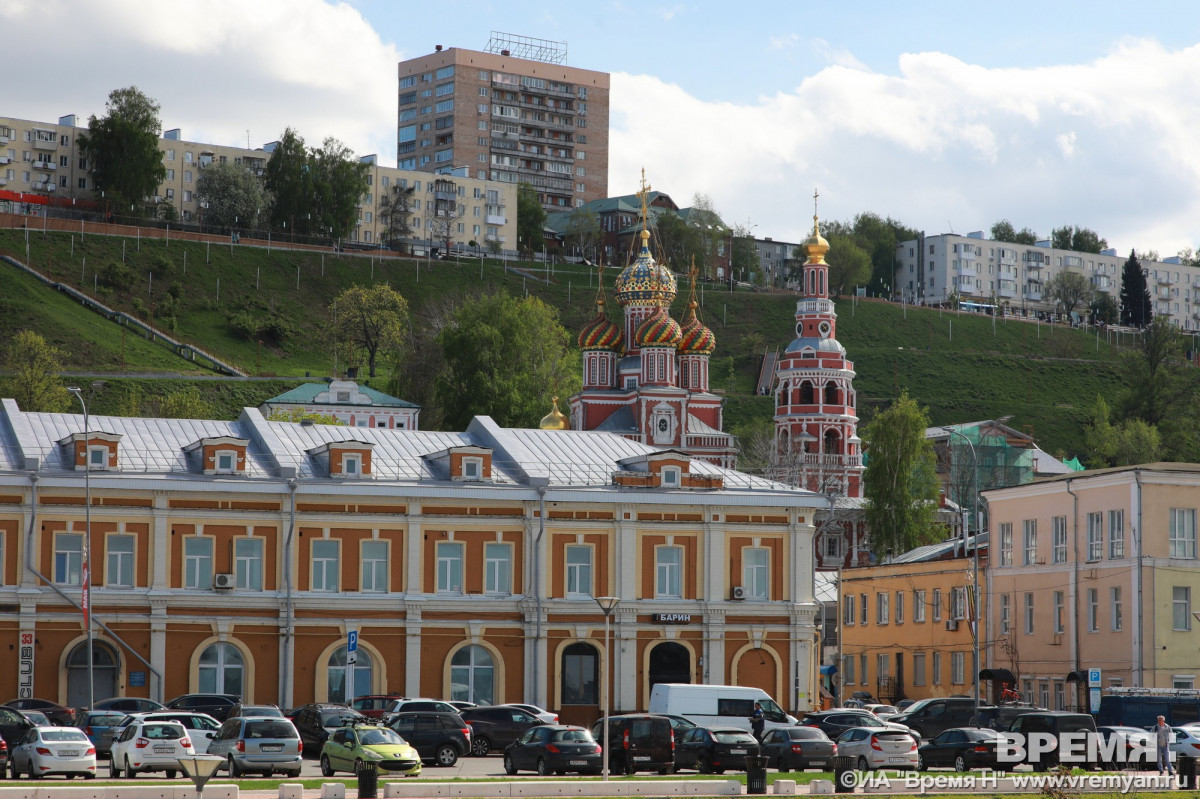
x=237 y=556
x=349 y=403
x=977 y=270
x=515 y=114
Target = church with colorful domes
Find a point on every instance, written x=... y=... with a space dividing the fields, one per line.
x=647 y=379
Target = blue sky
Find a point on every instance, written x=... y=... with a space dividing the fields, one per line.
x=944 y=115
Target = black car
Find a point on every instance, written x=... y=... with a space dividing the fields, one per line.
x=930 y=717
x=215 y=705
x=315 y=722
x=963 y=748
x=1000 y=717
x=438 y=737
x=554 y=749
x=798 y=748
x=1055 y=724
x=494 y=728
x=13 y=725
x=638 y=742
x=835 y=722
x=127 y=704
x=712 y=750
x=58 y=715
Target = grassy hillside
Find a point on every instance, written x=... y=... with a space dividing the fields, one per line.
x=961 y=366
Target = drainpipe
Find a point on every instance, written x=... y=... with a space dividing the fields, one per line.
x=289 y=624
x=1075 y=588
x=1139 y=674
x=536 y=584
x=29 y=549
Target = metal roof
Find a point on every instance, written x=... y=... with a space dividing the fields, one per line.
x=306 y=394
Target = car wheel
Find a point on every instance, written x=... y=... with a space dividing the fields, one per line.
x=541 y=767
x=89 y=776
x=171 y=774
x=292 y=773
x=114 y=771
x=235 y=771
x=960 y=763
x=509 y=766
x=446 y=755
x=481 y=746
x=129 y=771
x=664 y=771
x=326 y=768
x=863 y=765
x=921 y=765
x=702 y=765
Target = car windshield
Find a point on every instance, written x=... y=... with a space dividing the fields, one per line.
x=269 y=729
x=574 y=735
x=57 y=736
x=883 y=709
x=261 y=710
x=379 y=737
x=733 y=737
x=894 y=735
x=870 y=721
x=918 y=705
x=105 y=720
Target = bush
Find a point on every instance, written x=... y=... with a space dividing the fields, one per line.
x=115 y=275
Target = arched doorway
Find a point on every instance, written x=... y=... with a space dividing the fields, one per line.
x=757 y=668
x=364 y=673
x=670 y=662
x=104 y=673
x=580 y=684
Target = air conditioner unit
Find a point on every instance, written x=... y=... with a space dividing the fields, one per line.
x=952 y=624
x=223 y=582
x=739 y=592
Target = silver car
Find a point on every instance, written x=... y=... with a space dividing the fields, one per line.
x=873 y=748
x=262 y=744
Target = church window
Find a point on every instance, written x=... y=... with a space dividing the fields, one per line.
x=603 y=372
x=831 y=393
x=806 y=393
x=832 y=446
x=592 y=370
x=684 y=375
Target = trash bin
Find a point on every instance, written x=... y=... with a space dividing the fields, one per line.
x=1187 y=773
x=843 y=774
x=756 y=774
x=368 y=780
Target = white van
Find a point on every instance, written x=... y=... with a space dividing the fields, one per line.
x=717 y=705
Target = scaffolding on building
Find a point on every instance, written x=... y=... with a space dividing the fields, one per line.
x=527 y=47
x=1000 y=460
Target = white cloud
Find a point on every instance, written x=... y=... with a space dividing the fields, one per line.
x=668 y=13
x=784 y=42
x=1066 y=143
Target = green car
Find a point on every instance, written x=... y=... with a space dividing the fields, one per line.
x=350 y=747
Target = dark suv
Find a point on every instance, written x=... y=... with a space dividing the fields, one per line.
x=1054 y=723
x=215 y=705
x=638 y=742
x=314 y=722
x=493 y=728
x=932 y=717
x=835 y=722
x=438 y=737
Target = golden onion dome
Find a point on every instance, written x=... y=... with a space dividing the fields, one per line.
x=554 y=420
x=696 y=339
x=658 y=330
x=645 y=281
x=601 y=333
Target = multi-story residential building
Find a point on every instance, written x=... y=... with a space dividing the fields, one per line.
x=906 y=625
x=514 y=114
x=237 y=556
x=984 y=273
x=777 y=260
x=1096 y=569
x=39 y=160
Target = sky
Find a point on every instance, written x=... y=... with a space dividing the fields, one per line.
x=946 y=116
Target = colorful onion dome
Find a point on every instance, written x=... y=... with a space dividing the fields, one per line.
x=645 y=281
x=697 y=339
x=555 y=420
x=601 y=333
x=659 y=330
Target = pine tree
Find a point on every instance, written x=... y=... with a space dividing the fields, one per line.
x=1135 y=294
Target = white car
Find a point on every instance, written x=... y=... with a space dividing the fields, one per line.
x=545 y=715
x=149 y=746
x=884 y=712
x=873 y=748
x=54 y=750
x=201 y=727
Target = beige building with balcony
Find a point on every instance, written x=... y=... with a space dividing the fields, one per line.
x=1097 y=569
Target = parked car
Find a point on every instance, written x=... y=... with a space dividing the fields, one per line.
x=882 y=711
x=554 y=749
x=101 y=727
x=316 y=722
x=835 y=722
x=39 y=718
x=58 y=714
x=931 y=717
x=1001 y=717
x=462 y=705
x=53 y=750
x=713 y=750
x=905 y=704
x=679 y=724
x=798 y=748
x=374 y=706
x=239 y=709
x=413 y=705
x=494 y=727
x=1185 y=742
x=638 y=742
x=547 y=717
x=149 y=745
x=438 y=737
x=351 y=745
x=128 y=704
x=263 y=744
x=873 y=748
x=964 y=748
x=1054 y=723
x=1129 y=739
x=215 y=705
x=201 y=727
x=13 y=725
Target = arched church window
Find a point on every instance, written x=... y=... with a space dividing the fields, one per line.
x=831 y=393
x=806 y=393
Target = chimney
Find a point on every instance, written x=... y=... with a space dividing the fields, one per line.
x=505 y=52
x=437 y=48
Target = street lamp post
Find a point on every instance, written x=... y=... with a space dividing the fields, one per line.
x=86 y=576
x=607 y=604
x=975 y=563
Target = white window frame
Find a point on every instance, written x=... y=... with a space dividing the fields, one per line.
x=958 y=603
x=1095 y=536
x=248 y=563
x=68 y=547
x=1029 y=550
x=472 y=468
x=756 y=572
x=864 y=611
x=119 y=563
x=1182 y=533
x=671 y=477
x=918 y=668
x=882 y=607
x=668 y=572
x=958 y=668
x=1005 y=614
x=1006 y=544
x=1028 y=612
x=326 y=565
x=1116 y=609
x=449 y=556
x=579 y=559
x=352 y=462
x=1059 y=609
x=195 y=563
x=936 y=663
x=1116 y=534
x=221 y=468
x=1093 y=610
x=1058 y=527
x=848 y=610
x=1181 y=608
x=898 y=609
x=919 y=606
x=375 y=568
x=100 y=464
x=937 y=604
x=883 y=665
x=497 y=567
x=848 y=669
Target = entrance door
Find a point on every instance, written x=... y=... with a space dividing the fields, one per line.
x=670 y=662
x=104 y=674
x=580 y=685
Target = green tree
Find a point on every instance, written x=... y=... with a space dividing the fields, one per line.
x=121 y=149
x=583 y=233
x=339 y=183
x=900 y=483
x=1159 y=384
x=395 y=205
x=1135 y=294
x=300 y=415
x=1104 y=309
x=289 y=182
x=186 y=403
x=849 y=264
x=1004 y=231
x=709 y=231
x=167 y=211
x=531 y=220
x=1126 y=443
x=505 y=358
x=234 y=196
x=33 y=366
x=745 y=254
x=878 y=237
x=1070 y=290
x=676 y=238
x=1077 y=239
x=369 y=320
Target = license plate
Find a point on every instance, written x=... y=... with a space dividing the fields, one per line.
x=68 y=753
x=641 y=759
x=737 y=751
x=897 y=759
x=272 y=747
x=815 y=763
x=164 y=750
x=579 y=763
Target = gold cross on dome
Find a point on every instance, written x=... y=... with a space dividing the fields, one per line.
x=642 y=194
x=816 y=231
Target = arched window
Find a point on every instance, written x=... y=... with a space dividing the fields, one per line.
x=473 y=676
x=684 y=375
x=580 y=675
x=222 y=670
x=831 y=393
x=364 y=671
x=806 y=393
x=832 y=443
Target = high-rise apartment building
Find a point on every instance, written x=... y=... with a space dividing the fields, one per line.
x=514 y=114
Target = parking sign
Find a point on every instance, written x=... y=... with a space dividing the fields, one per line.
x=352 y=648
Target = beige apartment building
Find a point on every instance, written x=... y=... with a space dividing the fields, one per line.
x=1097 y=569
x=514 y=114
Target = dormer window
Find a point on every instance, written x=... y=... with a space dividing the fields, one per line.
x=352 y=465
x=472 y=468
x=97 y=458
x=670 y=476
x=226 y=462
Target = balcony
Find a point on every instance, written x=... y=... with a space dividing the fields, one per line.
x=5 y=136
x=45 y=166
x=1034 y=265
x=814 y=306
x=1165 y=279
x=46 y=186
x=4 y=159
x=1006 y=291
x=492 y=219
x=966 y=270
x=1033 y=294
x=3 y=181
x=41 y=142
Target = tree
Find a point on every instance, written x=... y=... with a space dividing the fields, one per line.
x=504 y=357
x=1104 y=309
x=301 y=415
x=745 y=254
x=709 y=232
x=583 y=233
x=1124 y=444
x=1135 y=294
x=33 y=366
x=1077 y=239
x=369 y=320
x=446 y=212
x=339 y=183
x=289 y=181
x=879 y=238
x=1070 y=290
x=900 y=483
x=1158 y=386
x=234 y=196
x=676 y=238
x=531 y=220
x=1004 y=231
x=849 y=264
x=186 y=403
x=395 y=205
x=121 y=148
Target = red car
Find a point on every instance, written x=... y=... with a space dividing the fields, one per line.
x=374 y=706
